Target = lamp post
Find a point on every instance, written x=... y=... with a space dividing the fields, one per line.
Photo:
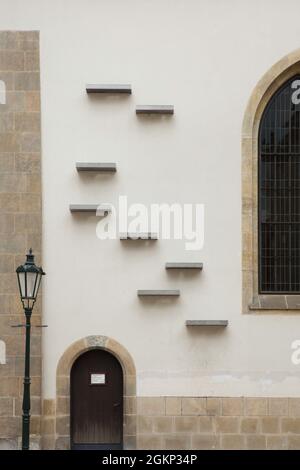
x=29 y=279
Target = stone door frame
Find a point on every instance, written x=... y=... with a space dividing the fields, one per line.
x=62 y=408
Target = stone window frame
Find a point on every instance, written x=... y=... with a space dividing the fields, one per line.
x=56 y=413
x=252 y=300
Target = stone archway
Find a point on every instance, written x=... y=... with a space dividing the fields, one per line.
x=252 y=301
x=62 y=408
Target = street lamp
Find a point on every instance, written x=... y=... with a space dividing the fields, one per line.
x=29 y=280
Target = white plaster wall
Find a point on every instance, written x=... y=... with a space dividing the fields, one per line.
x=205 y=57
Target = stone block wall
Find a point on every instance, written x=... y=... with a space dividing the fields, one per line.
x=218 y=423
x=20 y=223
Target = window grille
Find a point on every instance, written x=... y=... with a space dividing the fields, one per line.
x=279 y=192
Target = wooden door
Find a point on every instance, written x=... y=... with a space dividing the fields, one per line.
x=96 y=401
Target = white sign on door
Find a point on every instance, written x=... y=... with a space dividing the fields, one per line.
x=97 y=379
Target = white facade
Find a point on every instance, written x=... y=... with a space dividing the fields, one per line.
x=205 y=58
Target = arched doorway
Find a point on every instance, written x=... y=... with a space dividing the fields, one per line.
x=96 y=401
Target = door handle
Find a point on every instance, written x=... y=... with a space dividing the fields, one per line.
x=116 y=404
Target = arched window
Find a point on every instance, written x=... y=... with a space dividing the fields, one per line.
x=279 y=192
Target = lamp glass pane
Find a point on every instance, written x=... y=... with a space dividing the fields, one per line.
x=31 y=278
x=37 y=285
x=22 y=284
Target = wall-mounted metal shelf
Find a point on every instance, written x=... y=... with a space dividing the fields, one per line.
x=222 y=323
x=159 y=293
x=108 y=88
x=96 y=167
x=99 y=209
x=138 y=236
x=155 y=109
x=184 y=265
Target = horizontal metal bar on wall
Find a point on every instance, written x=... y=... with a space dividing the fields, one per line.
x=90 y=208
x=155 y=109
x=94 y=166
x=138 y=236
x=184 y=265
x=159 y=292
x=108 y=88
x=206 y=322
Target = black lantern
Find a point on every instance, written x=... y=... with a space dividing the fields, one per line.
x=29 y=279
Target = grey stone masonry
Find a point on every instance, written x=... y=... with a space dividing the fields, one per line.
x=108 y=88
x=184 y=265
x=97 y=209
x=206 y=322
x=159 y=292
x=139 y=236
x=96 y=167
x=155 y=109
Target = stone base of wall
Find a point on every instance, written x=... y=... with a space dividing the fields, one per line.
x=210 y=423
x=218 y=423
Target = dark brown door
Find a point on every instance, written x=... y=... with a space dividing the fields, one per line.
x=96 y=401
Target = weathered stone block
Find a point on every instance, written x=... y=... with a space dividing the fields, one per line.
x=8 y=444
x=63 y=425
x=9 y=203
x=32 y=60
x=193 y=406
x=249 y=425
x=33 y=183
x=186 y=424
x=6 y=406
x=63 y=405
x=27 y=81
x=294 y=407
x=151 y=405
x=10 y=182
x=30 y=142
x=205 y=424
x=7 y=122
x=30 y=202
x=256 y=442
x=213 y=406
x=149 y=442
x=130 y=405
x=130 y=425
x=32 y=101
x=49 y=407
x=28 y=223
x=8 y=40
x=9 y=142
x=277 y=442
x=205 y=442
x=10 y=427
x=62 y=443
x=232 y=406
x=145 y=424
x=270 y=425
x=173 y=406
x=11 y=60
x=7 y=162
x=226 y=424
x=6 y=261
x=13 y=243
x=290 y=425
x=278 y=406
x=162 y=424
x=233 y=442
x=27 y=122
x=48 y=426
x=175 y=441
x=293 y=442
x=256 y=406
